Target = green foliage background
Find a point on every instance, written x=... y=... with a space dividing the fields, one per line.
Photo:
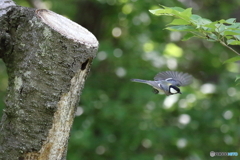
x=122 y=120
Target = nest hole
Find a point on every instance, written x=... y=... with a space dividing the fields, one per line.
x=84 y=65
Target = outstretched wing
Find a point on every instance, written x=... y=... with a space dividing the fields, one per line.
x=175 y=78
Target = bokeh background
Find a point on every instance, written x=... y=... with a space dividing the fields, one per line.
x=120 y=120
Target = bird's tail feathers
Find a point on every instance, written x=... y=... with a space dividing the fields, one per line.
x=139 y=80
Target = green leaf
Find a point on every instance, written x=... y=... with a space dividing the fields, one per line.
x=211 y=25
x=234 y=26
x=205 y=21
x=187 y=12
x=233 y=42
x=188 y=36
x=159 y=12
x=195 y=18
x=234 y=59
x=221 y=21
x=212 y=37
x=229 y=37
x=173 y=11
x=179 y=22
x=220 y=28
x=237 y=37
x=182 y=28
x=232 y=32
x=181 y=13
x=230 y=20
x=179 y=9
x=237 y=78
x=228 y=30
x=200 y=22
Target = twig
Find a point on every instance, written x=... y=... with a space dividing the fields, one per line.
x=229 y=47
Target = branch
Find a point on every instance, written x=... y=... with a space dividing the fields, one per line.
x=224 y=44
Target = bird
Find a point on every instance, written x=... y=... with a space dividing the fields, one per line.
x=168 y=82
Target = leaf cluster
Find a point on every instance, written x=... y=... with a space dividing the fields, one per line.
x=227 y=32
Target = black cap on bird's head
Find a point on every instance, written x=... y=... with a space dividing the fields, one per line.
x=174 y=90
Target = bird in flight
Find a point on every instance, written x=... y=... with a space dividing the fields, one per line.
x=168 y=82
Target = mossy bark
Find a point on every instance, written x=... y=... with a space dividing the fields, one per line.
x=46 y=70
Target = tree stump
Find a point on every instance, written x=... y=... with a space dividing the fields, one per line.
x=48 y=58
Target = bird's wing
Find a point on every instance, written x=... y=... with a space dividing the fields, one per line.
x=175 y=78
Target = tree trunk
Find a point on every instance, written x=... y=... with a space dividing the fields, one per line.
x=48 y=58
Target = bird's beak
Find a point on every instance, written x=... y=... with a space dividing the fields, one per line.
x=180 y=92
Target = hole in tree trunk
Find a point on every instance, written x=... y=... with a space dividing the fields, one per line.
x=84 y=65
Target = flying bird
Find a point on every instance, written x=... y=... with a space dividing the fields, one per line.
x=168 y=82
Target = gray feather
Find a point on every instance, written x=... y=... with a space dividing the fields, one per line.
x=151 y=83
x=175 y=78
x=139 y=80
x=157 y=85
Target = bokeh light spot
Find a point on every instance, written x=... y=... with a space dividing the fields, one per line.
x=208 y=88
x=184 y=119
x=79 y=111
x=101 y=55
x=116 y=32
x=182 y=103
x=148 y=47
x=146 y=143
x=172 y=63
x=228 y=139
x=158 y=157
x=144 y=18
x=224 y=128
x=127 y=8
x=100 y=150
x=157 y=60
x=228 y=114
x=169 y=101
x=111 y=138
x=151 y=105
x=122 y=1
x=181 y=143
x=231 y=91
x=117 y=52
x=111 y=2
x=233 y=67
x=175 y=36
x=173 y=50
x=120 y=72
x=191 y=98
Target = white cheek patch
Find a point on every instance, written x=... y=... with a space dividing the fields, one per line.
x=173 y=91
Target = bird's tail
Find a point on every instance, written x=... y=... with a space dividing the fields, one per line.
x=139 y=80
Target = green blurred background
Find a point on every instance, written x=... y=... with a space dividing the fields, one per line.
x=121 y=120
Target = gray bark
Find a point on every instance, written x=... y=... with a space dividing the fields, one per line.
x=48 y=58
